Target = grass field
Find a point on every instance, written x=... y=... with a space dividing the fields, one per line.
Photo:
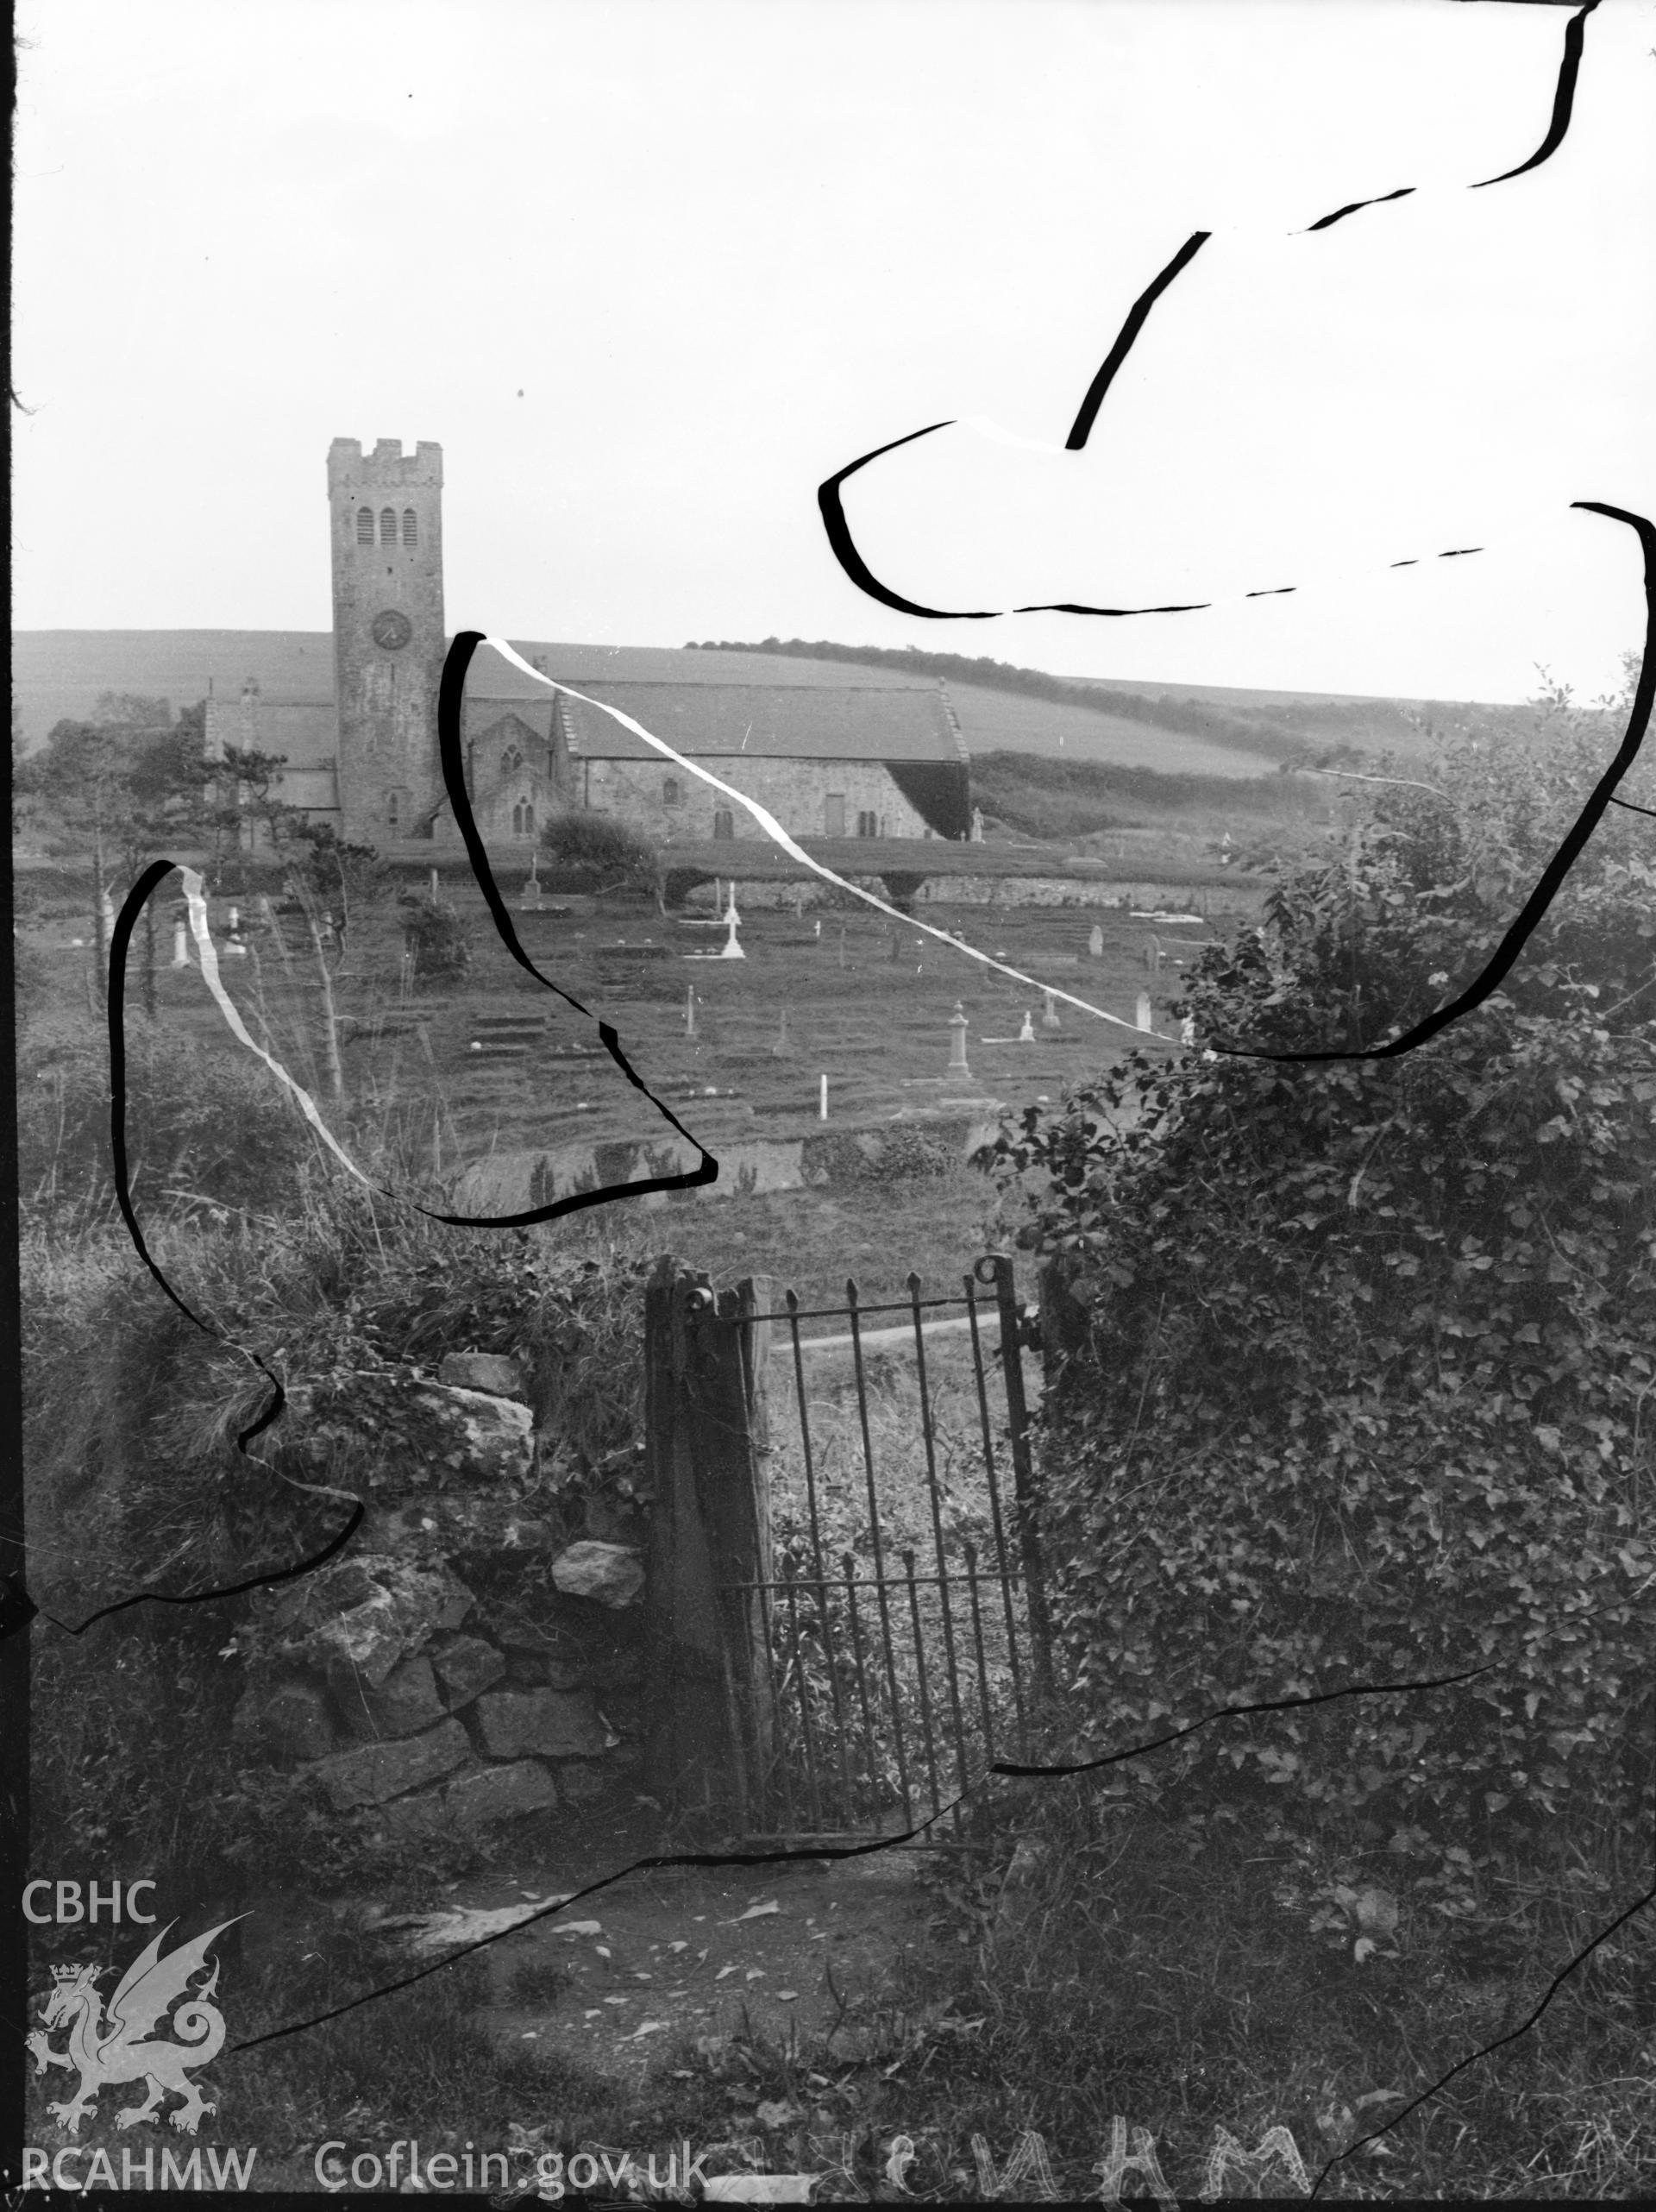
x=1002 y=721
x=868 y=1003
x=61 y=672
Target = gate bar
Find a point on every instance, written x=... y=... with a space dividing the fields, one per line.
x=792 y=1301
x=919 y=1675
x=1023 y=1470
x=874 y=1520
x=930 y=1439
x=996 y=1519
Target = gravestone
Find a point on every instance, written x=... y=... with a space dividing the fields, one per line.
x=1096 y=941
x=1144 y=1012
x=180 y=947
x=1050 y=1011
x=1026 y=1034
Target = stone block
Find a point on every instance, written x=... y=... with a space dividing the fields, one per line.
x=610 y=1574
x=580 y=1780
x=613 y=1520
x=421 y=1817
x=625 y=1709
x=490 y=1372
x=404 y=1702
x=476 y=1433
x=290 y=1722
x=548 y=1670
x=378 y=1771
x=555 y=1724
x=361 y=1616
x=498 y=1793
x=465 y=1666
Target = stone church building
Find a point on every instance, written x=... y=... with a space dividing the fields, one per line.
x=830 y=750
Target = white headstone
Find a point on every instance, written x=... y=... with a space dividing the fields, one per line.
x=822 y=1099
x=1144 y=1020
x=1050 y=1011
x=180 y=945
x=1187 y=1031
x=1026 y=1034
x=1095 y=942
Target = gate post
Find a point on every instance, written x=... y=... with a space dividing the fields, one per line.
x=1023 y=1467
x=708 y=1739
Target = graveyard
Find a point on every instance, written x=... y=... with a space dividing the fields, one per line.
x=821 y=1026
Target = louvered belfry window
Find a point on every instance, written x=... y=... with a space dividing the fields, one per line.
x=411 y=527
x=364 y=526
x=387 y=526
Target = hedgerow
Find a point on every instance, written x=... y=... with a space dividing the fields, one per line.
x=1356 y=1354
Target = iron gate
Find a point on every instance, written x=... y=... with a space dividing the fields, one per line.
x=899 y=1641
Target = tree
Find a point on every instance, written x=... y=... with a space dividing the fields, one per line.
x=606 y=855
x=21 y=810
x=1352 y=1357
x=121 y=792
x=339 y=872
x=248 y=781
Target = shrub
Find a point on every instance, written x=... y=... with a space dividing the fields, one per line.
x=1356 y=1352
x=602 y=854
x=198 y=1123
x=434 y=938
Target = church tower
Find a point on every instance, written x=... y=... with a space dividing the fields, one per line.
x=385 y=525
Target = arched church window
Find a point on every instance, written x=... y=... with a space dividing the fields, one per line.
x=672 y=791
x=364 y=526
x=510 y=761
x=723 y=822
x=393 y=808
x=523 y=819
x=411 y=527
x=387 y=526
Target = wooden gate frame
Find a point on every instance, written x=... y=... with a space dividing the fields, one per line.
x=706 y=1684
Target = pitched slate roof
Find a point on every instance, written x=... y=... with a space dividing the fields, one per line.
x=782 y=721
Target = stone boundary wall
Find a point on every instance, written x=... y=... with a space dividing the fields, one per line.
x=515 y=1181
x=470 y=1659
x=997 y=891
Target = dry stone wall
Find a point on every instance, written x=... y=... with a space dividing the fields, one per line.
x=477 y=1653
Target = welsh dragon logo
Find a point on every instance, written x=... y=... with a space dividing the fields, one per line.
x=119 y=2047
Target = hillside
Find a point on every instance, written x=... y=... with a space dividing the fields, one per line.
x=1187 y=730
x=1278 y=725
x=1007 y=721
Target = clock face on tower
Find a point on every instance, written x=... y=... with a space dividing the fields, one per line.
x=391 y=630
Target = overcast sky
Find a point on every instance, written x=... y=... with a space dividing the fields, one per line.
x=649 y=270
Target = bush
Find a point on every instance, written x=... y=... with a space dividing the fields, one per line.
x=198 y=1123
x=602 y=854
x=435 y=939
x=1356 y=1352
